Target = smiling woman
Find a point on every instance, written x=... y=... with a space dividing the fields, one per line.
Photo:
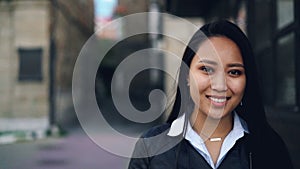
x=218 y=78
x=217 y=88
x=218 y=114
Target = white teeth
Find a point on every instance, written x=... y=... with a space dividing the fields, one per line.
x=218 y=100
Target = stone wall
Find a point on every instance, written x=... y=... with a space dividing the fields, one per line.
x=24 y=24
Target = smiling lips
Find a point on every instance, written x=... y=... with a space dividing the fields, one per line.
x=218 y=101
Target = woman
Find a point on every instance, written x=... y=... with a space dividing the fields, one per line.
x=218 y=120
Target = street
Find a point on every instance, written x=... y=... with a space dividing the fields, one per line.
x=73 y=151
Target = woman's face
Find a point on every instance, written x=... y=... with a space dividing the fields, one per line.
x=217 y=77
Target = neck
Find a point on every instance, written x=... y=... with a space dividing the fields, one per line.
x=210 y=127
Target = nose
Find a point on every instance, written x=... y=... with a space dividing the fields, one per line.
x=218 y=82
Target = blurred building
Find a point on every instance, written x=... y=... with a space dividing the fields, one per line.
x=24 y=62
x=72 y=23
x=275 y=36
x=40 y=41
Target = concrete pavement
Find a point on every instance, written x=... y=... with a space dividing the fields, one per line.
x=74 y=151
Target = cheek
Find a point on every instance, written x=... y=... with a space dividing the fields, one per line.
x=198 y=84
x=238 y=87
x=193 y=87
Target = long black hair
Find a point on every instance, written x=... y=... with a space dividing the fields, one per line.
x=252 y=110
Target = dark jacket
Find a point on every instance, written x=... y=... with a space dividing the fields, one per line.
x=182 y=155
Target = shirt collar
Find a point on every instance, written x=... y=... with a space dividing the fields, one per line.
x=177 y=125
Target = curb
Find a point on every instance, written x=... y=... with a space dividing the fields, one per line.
x=16 y=136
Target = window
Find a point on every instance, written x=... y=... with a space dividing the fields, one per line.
x=275 y=36
x=285 y=71
x=30 y=64
x=285 y=12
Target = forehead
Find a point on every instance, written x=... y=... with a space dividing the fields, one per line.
x=219 y=48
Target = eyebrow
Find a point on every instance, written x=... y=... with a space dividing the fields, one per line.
x=205 y=61
x=208 y=62
x=235 y=65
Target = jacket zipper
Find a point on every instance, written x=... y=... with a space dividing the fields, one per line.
x=250 y=160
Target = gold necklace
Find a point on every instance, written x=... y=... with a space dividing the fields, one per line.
x=215 y=139
x=212 y=139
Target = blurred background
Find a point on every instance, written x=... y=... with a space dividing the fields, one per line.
x=40 y=41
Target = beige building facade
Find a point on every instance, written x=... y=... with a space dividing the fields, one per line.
x=24 y=27
x=29 y=90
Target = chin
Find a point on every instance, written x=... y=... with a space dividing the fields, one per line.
x=217 y=115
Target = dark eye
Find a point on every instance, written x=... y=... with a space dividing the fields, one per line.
x=235 y=72
x=207 y=69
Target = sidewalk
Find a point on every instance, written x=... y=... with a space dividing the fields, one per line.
x=74 y=151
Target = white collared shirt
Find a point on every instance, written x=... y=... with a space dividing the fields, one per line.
x=239 y=128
